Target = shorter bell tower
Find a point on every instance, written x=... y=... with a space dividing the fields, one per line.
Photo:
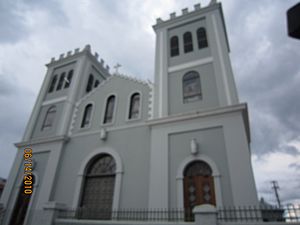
x=68 y=78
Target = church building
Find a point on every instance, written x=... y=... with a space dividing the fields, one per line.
x=100 y=141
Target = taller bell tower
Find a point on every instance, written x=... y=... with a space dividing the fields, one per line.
x=192 y=64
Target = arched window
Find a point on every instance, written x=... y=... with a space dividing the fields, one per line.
x=98 y=190
x=134 y=109
x=202 y=39
x=49 y=118
x=87 y=115
x=53 y=83
x=188 y=42
x=69 y=79
x=61 y=81
x=109 y=110
x=96 y=83
x=198 y=187
x=174 y=46
x=89 y=85
x=191 y=86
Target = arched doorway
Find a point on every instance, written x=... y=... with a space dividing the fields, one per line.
x=198 y=186
x=98 y=189
x=21 y=206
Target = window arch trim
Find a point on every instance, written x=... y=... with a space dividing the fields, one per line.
x=174 y=46
x=49 y=118
x=114 y=110
x=188 y=42
x=92 y=104
x=187 y=84
x=202 y=38
x=61 y=81
x=129 y=106
x=69 y=78
x=52 y=86
x=90 y=83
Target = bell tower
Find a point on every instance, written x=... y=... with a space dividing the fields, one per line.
x=68 y=78
x=192 y=64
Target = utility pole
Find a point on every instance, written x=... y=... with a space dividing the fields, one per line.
x=276 y=188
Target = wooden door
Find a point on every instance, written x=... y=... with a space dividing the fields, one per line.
x=198 y=187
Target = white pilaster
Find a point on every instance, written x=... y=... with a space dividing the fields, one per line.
x=161 y=75
x=37 y=106
x=71 y=98
x=159 y=179
x=221 y=59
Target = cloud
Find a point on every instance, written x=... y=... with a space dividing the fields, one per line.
x=265 y=61
x=282 y=167
x=16 y=104
x=296 y=166
x=11 y=22
x=19 y=18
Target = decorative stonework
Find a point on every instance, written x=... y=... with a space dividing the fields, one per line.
x=104 y=82
x=186 y=11
x=76 y=52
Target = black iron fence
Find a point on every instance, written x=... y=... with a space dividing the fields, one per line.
x=174 y=215
x=289 y=213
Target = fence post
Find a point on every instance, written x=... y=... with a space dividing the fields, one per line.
x=205 y=215
x=48 y=214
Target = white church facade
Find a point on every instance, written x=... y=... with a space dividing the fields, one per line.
x=108 y=141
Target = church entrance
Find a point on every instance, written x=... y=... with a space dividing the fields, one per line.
x=98 y=190
x=21 y=206
x=198 y=187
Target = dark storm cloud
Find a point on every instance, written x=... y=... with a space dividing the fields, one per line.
x=266 y=63
x=11 y=23
x=13 y=17
x=288 y=191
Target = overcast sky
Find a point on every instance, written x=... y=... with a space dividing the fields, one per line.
x=266 y=65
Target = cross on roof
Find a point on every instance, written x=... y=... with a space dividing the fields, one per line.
x=117 y=66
